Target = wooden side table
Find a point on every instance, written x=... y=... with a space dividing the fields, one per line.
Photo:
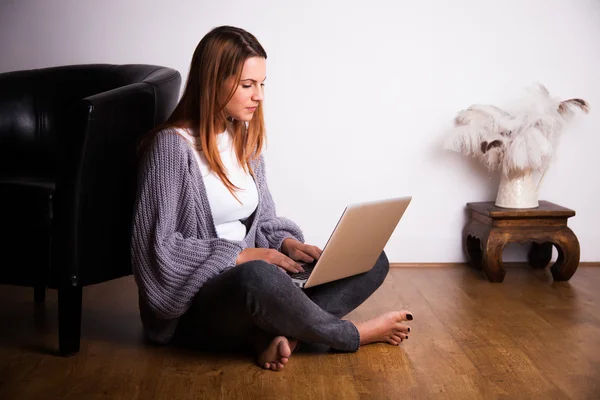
x=491 y=228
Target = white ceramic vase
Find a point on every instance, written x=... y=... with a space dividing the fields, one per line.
x=517 y=192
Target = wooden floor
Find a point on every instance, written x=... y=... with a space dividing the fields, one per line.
x=526 y=338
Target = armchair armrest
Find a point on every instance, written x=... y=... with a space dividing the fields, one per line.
x=95 y=195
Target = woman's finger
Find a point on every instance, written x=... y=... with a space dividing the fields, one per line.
x=301 y=255
x=312 y=251
x=287 y=263
x=295 y=265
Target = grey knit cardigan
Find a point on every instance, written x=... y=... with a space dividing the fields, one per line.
x=175 y=248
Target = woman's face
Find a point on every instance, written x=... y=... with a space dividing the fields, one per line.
x=249 y=91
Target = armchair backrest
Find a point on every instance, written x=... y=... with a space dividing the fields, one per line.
x=36 y=106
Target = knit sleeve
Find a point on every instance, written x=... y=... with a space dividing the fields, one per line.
x=272 y=230
x=170 y=267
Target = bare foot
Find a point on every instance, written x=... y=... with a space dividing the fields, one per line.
x=277 y=353
x=385 y=328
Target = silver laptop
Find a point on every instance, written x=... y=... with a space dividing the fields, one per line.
x=356 y=242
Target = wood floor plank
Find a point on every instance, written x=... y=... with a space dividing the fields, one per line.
x=476 y=314
x=433 y=347
x=557 y=331
x=528 y=337
x=373 y=374
x=544 y=325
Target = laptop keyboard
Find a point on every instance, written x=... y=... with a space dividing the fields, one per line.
x=308 y=268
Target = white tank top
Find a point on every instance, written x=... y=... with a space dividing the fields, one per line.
x=228 y=214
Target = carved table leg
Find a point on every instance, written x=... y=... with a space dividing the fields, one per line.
x=492 y=256
x=471 y=243
x=567 y=246
x=540 y=254
x=483 y=247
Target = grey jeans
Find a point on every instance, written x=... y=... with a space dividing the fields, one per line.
x=258 y=298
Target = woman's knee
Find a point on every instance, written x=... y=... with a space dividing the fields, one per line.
x=382 y=267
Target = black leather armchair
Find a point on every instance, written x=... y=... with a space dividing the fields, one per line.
x=68 y=175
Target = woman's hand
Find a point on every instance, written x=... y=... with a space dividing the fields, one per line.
x=300 y=251
x=271 y=256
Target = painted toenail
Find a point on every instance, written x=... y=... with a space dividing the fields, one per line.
x=409 y=329
x=409 y=317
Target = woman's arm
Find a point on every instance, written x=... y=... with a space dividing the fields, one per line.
x=169 y=267
x=272 y=230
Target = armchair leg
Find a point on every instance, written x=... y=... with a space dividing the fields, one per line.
x=69 y=319
x=39 y=294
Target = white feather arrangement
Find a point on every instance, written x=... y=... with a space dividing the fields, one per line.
x=518 y=141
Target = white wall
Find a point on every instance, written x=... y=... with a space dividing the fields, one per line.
x=359 y=94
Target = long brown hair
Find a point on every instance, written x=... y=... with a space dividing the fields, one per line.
x=219 y=55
